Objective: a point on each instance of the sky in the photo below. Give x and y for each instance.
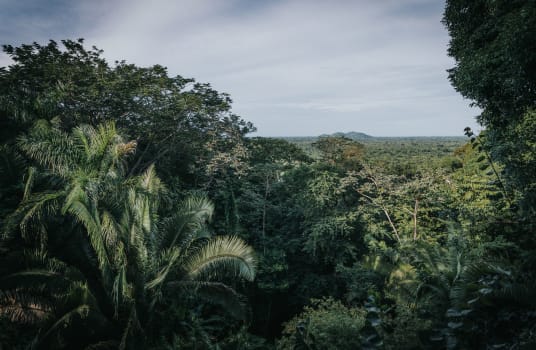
(292, 67)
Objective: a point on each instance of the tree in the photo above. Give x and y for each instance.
(186, 127)
(495, 52)
(341, 151)
(494, 48)
(104, 225)
(326, 324)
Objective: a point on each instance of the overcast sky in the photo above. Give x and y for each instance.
(291, 67)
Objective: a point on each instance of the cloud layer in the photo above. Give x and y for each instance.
(291, 67)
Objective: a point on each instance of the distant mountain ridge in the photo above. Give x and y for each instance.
(352, 135)
(365, 138)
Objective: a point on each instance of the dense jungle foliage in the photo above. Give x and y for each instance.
(135, 212)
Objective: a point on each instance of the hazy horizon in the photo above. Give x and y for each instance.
(351, 131)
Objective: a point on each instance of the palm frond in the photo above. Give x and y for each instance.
(76, 193)
(130, 328)
(216, 293)
(523, 294)
(111, 231)
(121, 290)
(146, 199)
(30, 177)
(24, 307)
(79, 293)
(199, 207)
(33, 278)
(102, 137)
(80, 311)
(49, 147)
(103, 345)
(150, 182)
(84, 212)
(223, 253)
(34, 211)
(82, 135)
(94, 141)
(164, 264)
(184, 227)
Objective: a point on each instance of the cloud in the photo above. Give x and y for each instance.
(346, 64)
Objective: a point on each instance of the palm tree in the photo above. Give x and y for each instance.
(104, 225)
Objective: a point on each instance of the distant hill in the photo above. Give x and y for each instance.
(368, 139)
(352, 135)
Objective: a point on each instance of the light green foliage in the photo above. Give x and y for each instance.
(325, 324)
(476, 189)
(399, 208)
(517, 151)
(410, 156)
(341, 152)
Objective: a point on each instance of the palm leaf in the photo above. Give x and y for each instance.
(216, 293)
(184, 227)
(165, 263)
(103, 345)
(50, 147)
(34, 211)
(80, 311)
(223, 253)
(25, 307)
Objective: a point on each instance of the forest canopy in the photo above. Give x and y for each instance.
(137, 213)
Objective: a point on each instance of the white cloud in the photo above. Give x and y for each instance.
(5, 60)
(297, 67)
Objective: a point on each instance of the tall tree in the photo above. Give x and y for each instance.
(187, 127)
(495, 52)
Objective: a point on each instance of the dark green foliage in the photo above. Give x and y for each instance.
(493, 44)
(186, 127)
(112, 265)
(340, 151)
(494, 48)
